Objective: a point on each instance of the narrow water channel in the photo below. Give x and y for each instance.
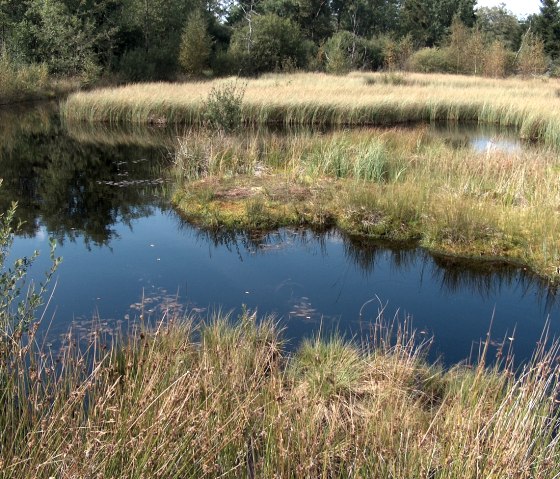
(101, 194)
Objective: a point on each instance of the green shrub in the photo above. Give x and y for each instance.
(196, 45)
(223, 63)
(141, 65)
(223, 107)
(431, 60)
(344, 52)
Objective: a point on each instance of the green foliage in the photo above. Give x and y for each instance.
(18, 303)
(223, 107)
(366, 18)
(143, 40)
(458, 42)
(62, 40)
(345, 51)
(547, 25)
(223, 63)
(432, 60)
(268, 43)
(498, 24)
(338, 52)
(138, 65)
(428, 21)
(313, 17)
(196, 45)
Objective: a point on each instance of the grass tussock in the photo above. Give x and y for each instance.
(224, 399)
(531, 106)
(391, 184)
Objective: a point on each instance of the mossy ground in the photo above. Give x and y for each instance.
(397, 185)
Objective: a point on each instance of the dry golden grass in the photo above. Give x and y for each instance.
(531, 105)
(226, 400)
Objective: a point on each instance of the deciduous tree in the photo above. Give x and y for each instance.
(196, 45)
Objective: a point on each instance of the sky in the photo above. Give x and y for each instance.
(518, 7)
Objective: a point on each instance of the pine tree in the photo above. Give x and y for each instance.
(547, 26)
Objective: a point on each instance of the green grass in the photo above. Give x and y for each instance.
(389, 184)
(225, 399)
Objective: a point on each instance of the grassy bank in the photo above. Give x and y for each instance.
(392, 184)
(30, 82)
(531, 106)
(225, 400)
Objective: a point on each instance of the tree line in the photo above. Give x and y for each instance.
(137, 40)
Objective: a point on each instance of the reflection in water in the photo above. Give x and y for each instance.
(480, 138)
(489, 278)
(105, 186)
(138, 135)
(482, 278)
(74, 189)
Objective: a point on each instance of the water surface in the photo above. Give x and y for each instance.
(101, 194)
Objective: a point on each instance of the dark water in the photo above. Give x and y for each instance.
(101, 195)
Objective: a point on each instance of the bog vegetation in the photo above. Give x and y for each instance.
(530, 106)
(395, 184)
(221, 398)
(225, 398)
(392, 184)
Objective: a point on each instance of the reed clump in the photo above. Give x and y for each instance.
(22, 82)
(393, 184)
(529, 105)
(225, 399)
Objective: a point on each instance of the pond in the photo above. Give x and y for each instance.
(102, 195)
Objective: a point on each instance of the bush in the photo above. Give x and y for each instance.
(495, 60)
(532, 58)
(140, 65)
(338, 53)
(223, 107)
(431, 60)
(223, 64)
(396, 54)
